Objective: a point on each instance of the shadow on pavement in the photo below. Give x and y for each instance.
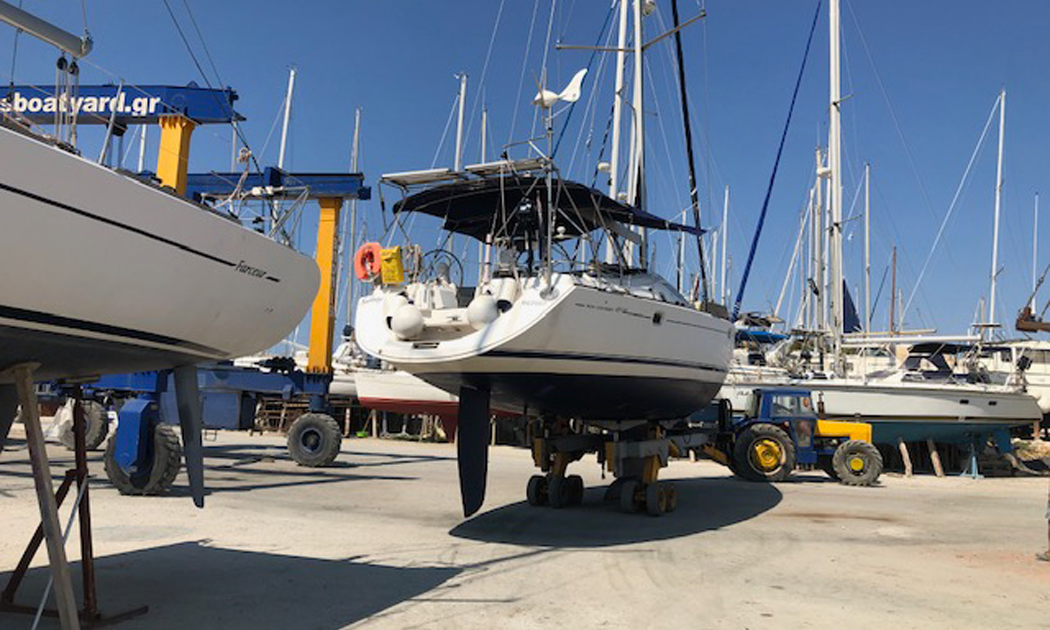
(703, 505)
(193, 585)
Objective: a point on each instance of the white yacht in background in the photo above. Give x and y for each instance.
(904, 402)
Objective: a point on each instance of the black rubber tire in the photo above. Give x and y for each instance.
(97, 421)
(751, 437)
(655, 499)
(558, 492)
(575, 484)
(536, 491)
(824, 463)
(167, 461)
(627, 492)
(672, 496)
(854, 452)
(314, 440)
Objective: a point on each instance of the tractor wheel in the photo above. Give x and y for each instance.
(96, 422)
(627, 492)
(857, 463)
(764, 452)
(164, 467)
(825, 464)
(536, 491)
(314, 440)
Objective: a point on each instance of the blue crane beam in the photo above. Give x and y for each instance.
(134, 104)
(274, 183)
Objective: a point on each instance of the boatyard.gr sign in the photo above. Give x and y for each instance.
(126, 105)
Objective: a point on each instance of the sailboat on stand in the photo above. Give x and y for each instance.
(558, 330)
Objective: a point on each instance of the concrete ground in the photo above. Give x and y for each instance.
(378, 540)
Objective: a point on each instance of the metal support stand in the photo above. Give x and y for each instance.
(49, 528)
(972, 469)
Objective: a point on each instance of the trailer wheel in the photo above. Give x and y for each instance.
(764, 452)
(857, 463)
(627, 493)
(314, 440)
(97, 427)
(536, 490)
(164, 465)
(559, 492)
(575, 484)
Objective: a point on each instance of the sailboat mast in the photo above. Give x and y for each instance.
(867, 248)
(637, 188)
(998, 202)
(459, 121)
(724, 232)
(694, 193)
(353, 219)
(287, 117)
(893, 288)
(621, 59)
(1035, 252)
(835, 181)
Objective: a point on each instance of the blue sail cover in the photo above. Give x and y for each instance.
(850, 319)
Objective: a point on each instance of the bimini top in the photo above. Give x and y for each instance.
(508, 204)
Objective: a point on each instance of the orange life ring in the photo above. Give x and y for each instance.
(368, 261)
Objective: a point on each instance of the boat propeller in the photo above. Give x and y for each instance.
(472, 447)
(187, 395)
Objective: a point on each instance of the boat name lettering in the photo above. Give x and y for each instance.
(596, 307)
(255, 272)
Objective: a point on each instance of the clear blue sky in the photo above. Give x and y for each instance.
(939, 64)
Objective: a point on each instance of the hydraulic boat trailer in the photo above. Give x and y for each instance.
(634, 455)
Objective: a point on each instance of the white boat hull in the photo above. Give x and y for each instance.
(398, 391)
(106, 274)
(906, 410)
(578, 351)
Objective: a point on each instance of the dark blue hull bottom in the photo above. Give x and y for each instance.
(587, 397)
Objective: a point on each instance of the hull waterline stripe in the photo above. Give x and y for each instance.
(36, 317)
(118, 224)
(533, 354)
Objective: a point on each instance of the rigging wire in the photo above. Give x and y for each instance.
(524, 66)
(776, 165)
(484, 71)
(951, 207)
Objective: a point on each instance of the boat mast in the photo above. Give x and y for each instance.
(1035, 252)
(636, 187)
(353, 220)
(867, 248)
(459, 122)
(614, 158)
(835, 182)
(724, 231)
(893, 289)
(694, 193)
(998, 201)
(287, 116)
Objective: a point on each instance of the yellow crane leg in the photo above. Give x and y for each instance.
(322, 317)
(173, 158)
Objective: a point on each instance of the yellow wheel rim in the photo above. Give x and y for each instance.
(767, 454)
(856, 464)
